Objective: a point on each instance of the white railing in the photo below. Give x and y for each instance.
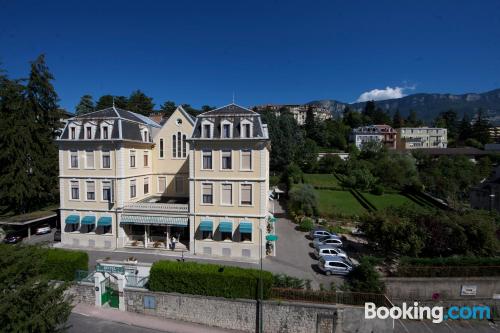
(152, 206)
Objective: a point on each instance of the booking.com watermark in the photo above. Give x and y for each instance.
(418, 312)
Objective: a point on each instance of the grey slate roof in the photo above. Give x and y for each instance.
(130, 123)
(236, 114)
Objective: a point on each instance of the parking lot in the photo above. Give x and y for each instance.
(294, 256)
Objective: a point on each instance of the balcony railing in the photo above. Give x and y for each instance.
(154, 206)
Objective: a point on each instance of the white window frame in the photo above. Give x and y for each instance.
(77, 159)
(86, 190)
(110, 160)
(241, 159)
(213, 194)
(71, 190)
(175, 184)
(146, 154)
(71, 129)
(158, 184)
(253, 196)
(86, 160)
(149, 185)
(161, 149)
(102, 132)
(243, 122)
(221, 203)
(110, 190)
(220, 164)
(212, 156)
(211, 124)
(130, 188)
(145, 135)
(131, 153)
(226, 122)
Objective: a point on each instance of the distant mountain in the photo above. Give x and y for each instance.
(428, 106)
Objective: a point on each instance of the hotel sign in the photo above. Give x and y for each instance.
(110, 269)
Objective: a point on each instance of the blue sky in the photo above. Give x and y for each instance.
(265, 51)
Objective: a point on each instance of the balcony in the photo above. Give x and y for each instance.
(157, 204)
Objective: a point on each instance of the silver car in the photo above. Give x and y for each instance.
(328, 250)
(334, 265)
(327, 240)
(318, 233)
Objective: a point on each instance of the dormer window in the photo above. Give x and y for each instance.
(206, 131)
(246, 130)
(73, 133)
(105, 134)
(88, 132)
(226, 130)
(146, 136)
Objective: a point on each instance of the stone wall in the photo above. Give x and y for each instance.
(242, 315)
(83, 293)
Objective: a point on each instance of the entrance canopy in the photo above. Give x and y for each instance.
(154, 220)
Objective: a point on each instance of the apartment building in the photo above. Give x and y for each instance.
(421, 137)
(127, 181)
(384, 134)
(298, 111)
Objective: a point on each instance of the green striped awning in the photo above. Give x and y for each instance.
(88, 220)
(104, 221)
(226, 226)
(73, 219)
(206, 225)
(245, 227)
(154, 220)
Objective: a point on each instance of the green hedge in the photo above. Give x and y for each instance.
(458, 266)
(62, 264)
(208, 280)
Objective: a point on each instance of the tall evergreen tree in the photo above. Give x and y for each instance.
(105, 101)
(310, 125)
(481, 128)
(464, 129)
(168, 107)
(121, 102)
(397, 120)
(86, 105)
(449, 121)
(205, 108)
(412, 119)
(140, 103)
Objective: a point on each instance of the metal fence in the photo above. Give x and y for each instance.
(84, 276)
(447, 271)
(328, 297)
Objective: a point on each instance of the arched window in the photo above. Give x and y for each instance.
(179, 144)
(161, 148)
(184, 145)
(174, 146)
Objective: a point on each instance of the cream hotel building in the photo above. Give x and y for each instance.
(127, 181)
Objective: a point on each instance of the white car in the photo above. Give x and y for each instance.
(43, 229)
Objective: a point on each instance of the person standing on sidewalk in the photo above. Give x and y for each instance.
(174, 240)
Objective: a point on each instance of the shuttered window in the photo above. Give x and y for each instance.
(246, 194)
(207, 191)
(246, 160)
(227, 194)
(161, 184)
(89, 159)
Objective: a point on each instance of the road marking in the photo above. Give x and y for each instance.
(403, 325)
(451, 328)
(426, 326)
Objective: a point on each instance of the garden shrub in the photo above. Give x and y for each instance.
(62, 264)
(365, 278)
(285, 281)
(208, 280)
(306, 225)
(378, 190)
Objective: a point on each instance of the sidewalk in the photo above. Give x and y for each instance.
(150, 322)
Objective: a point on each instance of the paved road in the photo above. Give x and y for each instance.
(84, 324)
(464, 326)
(36, 239)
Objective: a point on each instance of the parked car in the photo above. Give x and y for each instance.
(334, 265)
(43, 229)
(327, 240)
(328, 250)
(12, 239)
(320, 232)
(57, 236)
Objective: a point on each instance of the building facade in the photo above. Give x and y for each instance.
(422, 137)
(298, 111)
(126, 181)
(383, 134)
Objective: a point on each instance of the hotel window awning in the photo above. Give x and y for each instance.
(73, 219)
(226, 226)
(104, 221)
(154, 220)
(245, 227)
(87, 220)
(206, 225)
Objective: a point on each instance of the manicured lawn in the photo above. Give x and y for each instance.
(386, 200)
(331, 202)
(320, 179)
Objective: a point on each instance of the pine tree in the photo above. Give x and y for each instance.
(481, 128)
(310, 124)
(42, 103)
(140, 103)
(86, 105)
(397, 120)
(464, 129)
(105, 101)
(168, 107)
